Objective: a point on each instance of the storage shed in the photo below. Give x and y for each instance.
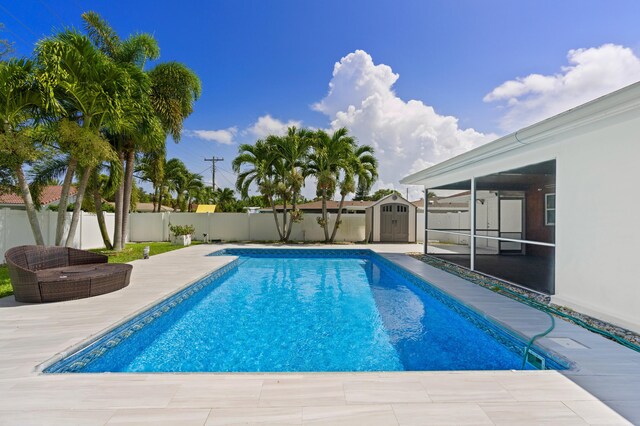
(391, 219)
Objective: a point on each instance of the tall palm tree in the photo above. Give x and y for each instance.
(336, 161)
(193, 185)
(175, 180)
(86, 89)
(158, 112)
(19, 101)
(141, 126)
(291, 152)
(151, 168)
(360, 170)
(328, 155)
(254, 165)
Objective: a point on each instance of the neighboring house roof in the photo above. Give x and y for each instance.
(206, 208)
(148, 208)
(331, 205)
(50, 194)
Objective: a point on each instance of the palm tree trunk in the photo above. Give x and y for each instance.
(325, 220)
(337, 224)
(117, 233)
(29, 206)
(97, 200)
(155, 197)
(128, 188)
(77, 209)
(283, 234)
(64, 200)
(160, 190)
(275, 216)
(294, 204)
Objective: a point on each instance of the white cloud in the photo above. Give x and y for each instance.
(223, 136)
(267, 125)
(407, 135)
(591, 73)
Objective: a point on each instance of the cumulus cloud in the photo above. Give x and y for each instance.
(591, 73)
(223, 136)
(267, 125)
(407, 135)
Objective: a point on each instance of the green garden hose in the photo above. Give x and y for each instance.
(533, 339)
(535, 304)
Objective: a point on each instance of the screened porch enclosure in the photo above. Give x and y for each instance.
(504, 225)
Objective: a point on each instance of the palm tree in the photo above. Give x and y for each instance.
(337, 161)
(156, 112)
(86, 89)
(291, 152)
(19, 101)
(225, 198)
(193, 184)
(151, 168)
(277, 166)
(360, 170)
(256, 165)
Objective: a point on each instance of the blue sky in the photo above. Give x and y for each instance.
(276, 58)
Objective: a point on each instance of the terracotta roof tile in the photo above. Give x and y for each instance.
(49, 195)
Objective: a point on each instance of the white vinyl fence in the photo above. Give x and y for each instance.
(240, 226)
(15, 229)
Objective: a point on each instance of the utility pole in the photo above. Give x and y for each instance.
(213, 160)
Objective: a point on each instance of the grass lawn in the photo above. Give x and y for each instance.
(5, 282)
(131, 252)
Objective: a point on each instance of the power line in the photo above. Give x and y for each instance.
(52, 11)
(18, 21)
(20, 39)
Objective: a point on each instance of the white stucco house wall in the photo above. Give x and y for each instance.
(574, 161)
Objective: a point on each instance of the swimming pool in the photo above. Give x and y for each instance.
(288, 310)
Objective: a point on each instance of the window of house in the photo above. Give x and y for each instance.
(550, 209)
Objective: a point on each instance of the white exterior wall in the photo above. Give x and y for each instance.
(596, 243)
(15, 229)
(241, 226)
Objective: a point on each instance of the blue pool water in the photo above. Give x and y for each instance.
(304, 311)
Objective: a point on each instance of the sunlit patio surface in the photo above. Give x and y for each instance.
(603, 386)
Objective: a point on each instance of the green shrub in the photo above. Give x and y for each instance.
(178, 230)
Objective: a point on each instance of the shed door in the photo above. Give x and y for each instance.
(394, 223)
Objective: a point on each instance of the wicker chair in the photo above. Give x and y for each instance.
(51, 274)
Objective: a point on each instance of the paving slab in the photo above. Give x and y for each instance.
(603, 387)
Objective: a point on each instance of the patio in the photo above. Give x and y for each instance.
(603, 386)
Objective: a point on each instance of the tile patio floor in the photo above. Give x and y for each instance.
(32, 334)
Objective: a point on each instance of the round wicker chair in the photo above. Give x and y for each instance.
(52, 274)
